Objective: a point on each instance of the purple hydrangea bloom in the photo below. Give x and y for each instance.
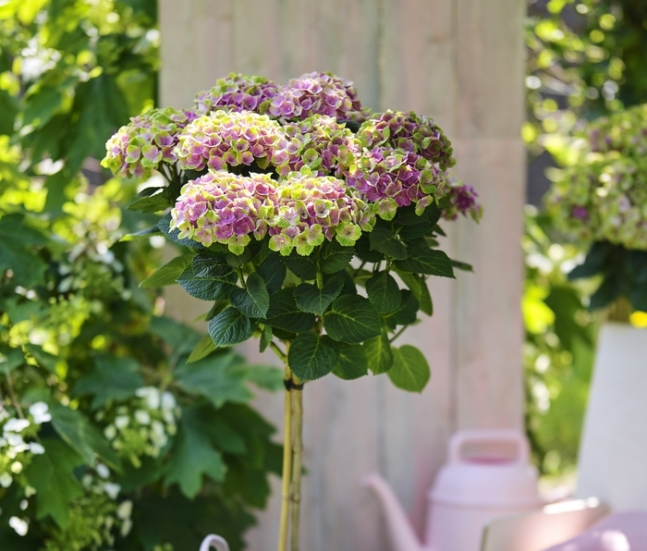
(149, 140)
(410, 132)
(224, 139)
(237, 92)
(462, 199)
(311, 209)
(580, 212)
(317, 94)
(392, 178)
(220, 207)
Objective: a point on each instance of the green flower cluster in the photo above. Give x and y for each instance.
(601, 195)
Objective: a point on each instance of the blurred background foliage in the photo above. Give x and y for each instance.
(110, 438)
(585, 60)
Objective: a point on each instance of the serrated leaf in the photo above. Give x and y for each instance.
(311, 299)
(364, 252)
(312, 356)
(379, 354)
(406, 312)
(284, 314)
(352, 362)
(303, 266)
(75, 429)
(273, 271)
(51, 474)
(208, 278)
(335, 257)
(152, 201)
(112, 378)
(253, 301)
(205, 347)
(193, 456)
(383, 292)
(169, 273)
(164, 226)
(216, 377)
(410, 369)
(383, 241)
(418, 287)
(230, 327)
(352, 319)
(422, 260)
(266, 338)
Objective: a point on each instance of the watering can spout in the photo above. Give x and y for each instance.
(401, 533)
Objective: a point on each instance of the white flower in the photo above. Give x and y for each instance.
(16, 425)
(142, 417)
(3, 414)
(125, 527)
(19, 525)
(5, 480)
(39, 411)
(111, 489)
(122, 421)
(16, 467)
(36, 448)
(29, 491)
(168, 401)
(102, 470)
(125, 510)
(14, 440)
(151, 395)
(110, 432)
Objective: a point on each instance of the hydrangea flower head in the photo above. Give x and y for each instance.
(225, 139)
(410, 132)
(461, 199)
(314, 208)
(392, 178)
(317, 94)
(602, 196)
(149, 140)
(324, 145)
(220, 207)
(237, 92)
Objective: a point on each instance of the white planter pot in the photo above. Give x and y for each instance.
(214, 542)
(613, 451)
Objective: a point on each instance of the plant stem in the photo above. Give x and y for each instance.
(397, 334)
(297, 447)
(12, 395)
(287, 462)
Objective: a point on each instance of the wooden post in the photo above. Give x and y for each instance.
(461, 62)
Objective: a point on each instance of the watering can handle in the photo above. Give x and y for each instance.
(214, 541)
(461, 438)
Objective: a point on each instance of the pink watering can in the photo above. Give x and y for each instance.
(487, 476)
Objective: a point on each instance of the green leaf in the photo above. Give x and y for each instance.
(8, 112)
(151, 200)
(303, 266)
(418, 287)
(208, 278)
(263, 376)
(383, 292)
(383, 241)
(253, 301)
(410, 369)
(312, 356)
(406, 312)
(164, 226)
(284, 313)
(169, 273)
(180, 337)
(407, 216)
(311, 299)
(462, 266)
(41, 106)
(51, 474)
(352, 362)
(379, 354)
(75, 429)
(230, 327)
(422, 260)
(335, 257)
(273, 271)
(352, 319)
(410, 233)
(112, 378)
(248, 254)
(217, 377)
(193, 456)
(10, 359)
(205, 347)
(266, 338)
(364, 252)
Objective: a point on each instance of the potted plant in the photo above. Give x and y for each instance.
(311, 224)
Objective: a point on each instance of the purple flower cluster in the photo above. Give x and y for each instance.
(237, 92)
(311, 209)
(462, 199)
(392, 178)
(317, 94)
(410, 132)
(324, 145)
(225, 139)
(220, 207)
(150, 139)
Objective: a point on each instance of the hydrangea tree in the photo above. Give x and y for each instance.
(600, 197)
(312, 224)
